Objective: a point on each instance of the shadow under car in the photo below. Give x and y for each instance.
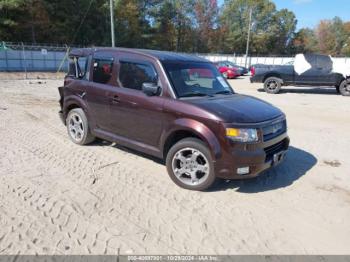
(296, 164)
(307, 90)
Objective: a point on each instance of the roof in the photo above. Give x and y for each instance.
(159, 55)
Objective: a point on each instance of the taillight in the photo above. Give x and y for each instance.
(67, 80)
(252, 70)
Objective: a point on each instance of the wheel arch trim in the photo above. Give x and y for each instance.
(273, 74)
(198, 129)
(73, 100)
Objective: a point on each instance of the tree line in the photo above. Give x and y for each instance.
(198, 26)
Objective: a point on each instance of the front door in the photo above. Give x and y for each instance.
(134, 115)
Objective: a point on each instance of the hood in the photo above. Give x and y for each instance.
(238, 108)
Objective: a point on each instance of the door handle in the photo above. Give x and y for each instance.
(81, 95)
(115, 99)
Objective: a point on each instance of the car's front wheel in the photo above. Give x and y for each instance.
(190, 164)
(337, 89)
(272, 85)
(344, 88)
(78, 127)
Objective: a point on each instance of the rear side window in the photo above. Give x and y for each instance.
(77, 67)
(132, 75)
(71, 69)
(324, 62)
(103, 68)
(311, 59)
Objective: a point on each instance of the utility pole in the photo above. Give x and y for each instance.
(248, 38)
(112, 21)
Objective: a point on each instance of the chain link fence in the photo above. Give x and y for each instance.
(29, 58)
(15, 57)
(253, 60)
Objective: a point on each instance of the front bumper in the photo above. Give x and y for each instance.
(258, 157)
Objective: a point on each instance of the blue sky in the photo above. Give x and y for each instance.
(310, 12)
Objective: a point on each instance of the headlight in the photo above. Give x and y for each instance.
(229, 71)
(242, 134)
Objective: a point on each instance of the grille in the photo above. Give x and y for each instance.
(274, 130)
(271, 150)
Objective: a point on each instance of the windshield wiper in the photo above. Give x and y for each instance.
(224, 92)
(195, 94)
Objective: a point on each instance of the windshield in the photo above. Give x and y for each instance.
(230, 64)
(196, 79)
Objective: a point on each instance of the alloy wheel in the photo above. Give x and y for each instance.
(190, 166)
(76, 127)
(346, 88)
(272, 85)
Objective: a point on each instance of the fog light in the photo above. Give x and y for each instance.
(243, 170)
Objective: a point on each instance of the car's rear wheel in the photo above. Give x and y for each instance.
(272, 85)
(190, 164)
(78, 127)
(344, 88)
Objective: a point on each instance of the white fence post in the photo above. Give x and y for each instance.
(25, 60)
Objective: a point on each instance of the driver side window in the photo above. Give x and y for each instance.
(132, 75)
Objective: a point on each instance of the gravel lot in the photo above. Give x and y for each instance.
(60, 198)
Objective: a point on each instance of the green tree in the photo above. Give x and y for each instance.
(164, 28)
(206, 23)
(272, 30)
(346, 47)
(305, 41)
(22, 20)
(340, 36)
(8, 21)
(283, 30)
(179, 25)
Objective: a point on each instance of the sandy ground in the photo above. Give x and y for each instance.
(60, 198)
(40, 76)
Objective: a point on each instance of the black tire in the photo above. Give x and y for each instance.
(344, 88)
(77, 118)
(205, 180)
(337, 89)
(272, 85)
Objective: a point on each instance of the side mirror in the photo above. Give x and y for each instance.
(151, 89)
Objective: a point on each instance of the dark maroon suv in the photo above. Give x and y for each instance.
(157, 103)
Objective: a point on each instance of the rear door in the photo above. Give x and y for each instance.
(325, 66)
(99, 89)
